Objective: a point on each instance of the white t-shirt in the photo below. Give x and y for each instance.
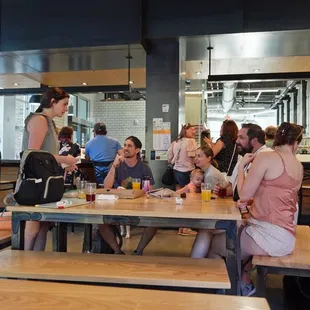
(234, 176)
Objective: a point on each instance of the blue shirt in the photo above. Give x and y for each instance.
(103, 149)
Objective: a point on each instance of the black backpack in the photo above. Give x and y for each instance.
(99, 245)
(39, 180)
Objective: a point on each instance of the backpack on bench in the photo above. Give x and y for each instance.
(39, 180)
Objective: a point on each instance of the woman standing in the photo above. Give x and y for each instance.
(224, 149)
(40, 134)
(182, 153)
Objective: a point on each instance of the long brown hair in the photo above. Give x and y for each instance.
(183, 131)
(209, 153)
(52, 93)
(230, 128)
(288, 133)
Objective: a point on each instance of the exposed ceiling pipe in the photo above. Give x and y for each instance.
(228, 97)
(289, 87)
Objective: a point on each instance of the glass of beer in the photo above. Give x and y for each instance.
(90, 191)
(136, 183)
(80, 186)
(206, 192)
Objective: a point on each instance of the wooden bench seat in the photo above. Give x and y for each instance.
(298, 263)
(19, 294)
(115, 269)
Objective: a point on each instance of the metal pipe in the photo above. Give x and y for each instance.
(283, 94)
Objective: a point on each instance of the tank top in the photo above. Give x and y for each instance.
(275, 201)
(50, 143)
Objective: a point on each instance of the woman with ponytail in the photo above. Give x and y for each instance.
(40, 134)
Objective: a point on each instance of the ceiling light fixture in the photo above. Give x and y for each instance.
(256, 70)
(84, 83)
(261, 90)
(15, 84)
(252, 108)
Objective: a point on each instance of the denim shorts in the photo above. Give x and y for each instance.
(181, 178)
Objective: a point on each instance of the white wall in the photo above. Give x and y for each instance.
(122, 118)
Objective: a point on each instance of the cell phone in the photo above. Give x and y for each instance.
(244, 210)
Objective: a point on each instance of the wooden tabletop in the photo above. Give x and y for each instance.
(299, 259)
(17, 294)
(192, 207)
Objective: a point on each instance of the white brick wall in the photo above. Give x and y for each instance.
(122, 118)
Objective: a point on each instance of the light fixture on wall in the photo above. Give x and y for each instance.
(84, 83)
(129, 57)
(35, 99)
(15, 84)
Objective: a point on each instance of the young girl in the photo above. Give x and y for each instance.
(193, 187)
(195, 184)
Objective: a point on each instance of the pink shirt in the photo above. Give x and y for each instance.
(183, 152)
(275, 201)
(189, 188)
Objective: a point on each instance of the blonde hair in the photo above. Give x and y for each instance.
(196, 171)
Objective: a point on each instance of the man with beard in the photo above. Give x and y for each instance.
(251, 139)
(122, 171)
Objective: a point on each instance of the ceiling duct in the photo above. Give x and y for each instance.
(290, 86)
(228, 97)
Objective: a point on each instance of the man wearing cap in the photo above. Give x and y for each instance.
(102, 150)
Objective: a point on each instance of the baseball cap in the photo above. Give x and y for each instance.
(100, 127)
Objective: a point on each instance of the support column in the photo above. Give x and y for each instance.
(164, 86)
(7, 126)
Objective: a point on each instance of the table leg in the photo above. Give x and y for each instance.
(231, 257)
(60, 237)
(18, 232)
(87, 244)
(261, 281)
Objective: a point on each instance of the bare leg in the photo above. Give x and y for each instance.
(31, 232)
(202, 244)
(147, 236)
(218, 246)
(108, 235)
(127, 231)
(40, 241)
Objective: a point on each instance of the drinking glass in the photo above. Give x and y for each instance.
(80, 186)
(90, 191)
(136, 183)
(206, 192)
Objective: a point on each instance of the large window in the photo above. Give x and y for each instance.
(78, 107)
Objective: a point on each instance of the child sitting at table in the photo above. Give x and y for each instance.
(193, 187)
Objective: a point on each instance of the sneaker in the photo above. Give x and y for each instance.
(247, 289)
(135, 252)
